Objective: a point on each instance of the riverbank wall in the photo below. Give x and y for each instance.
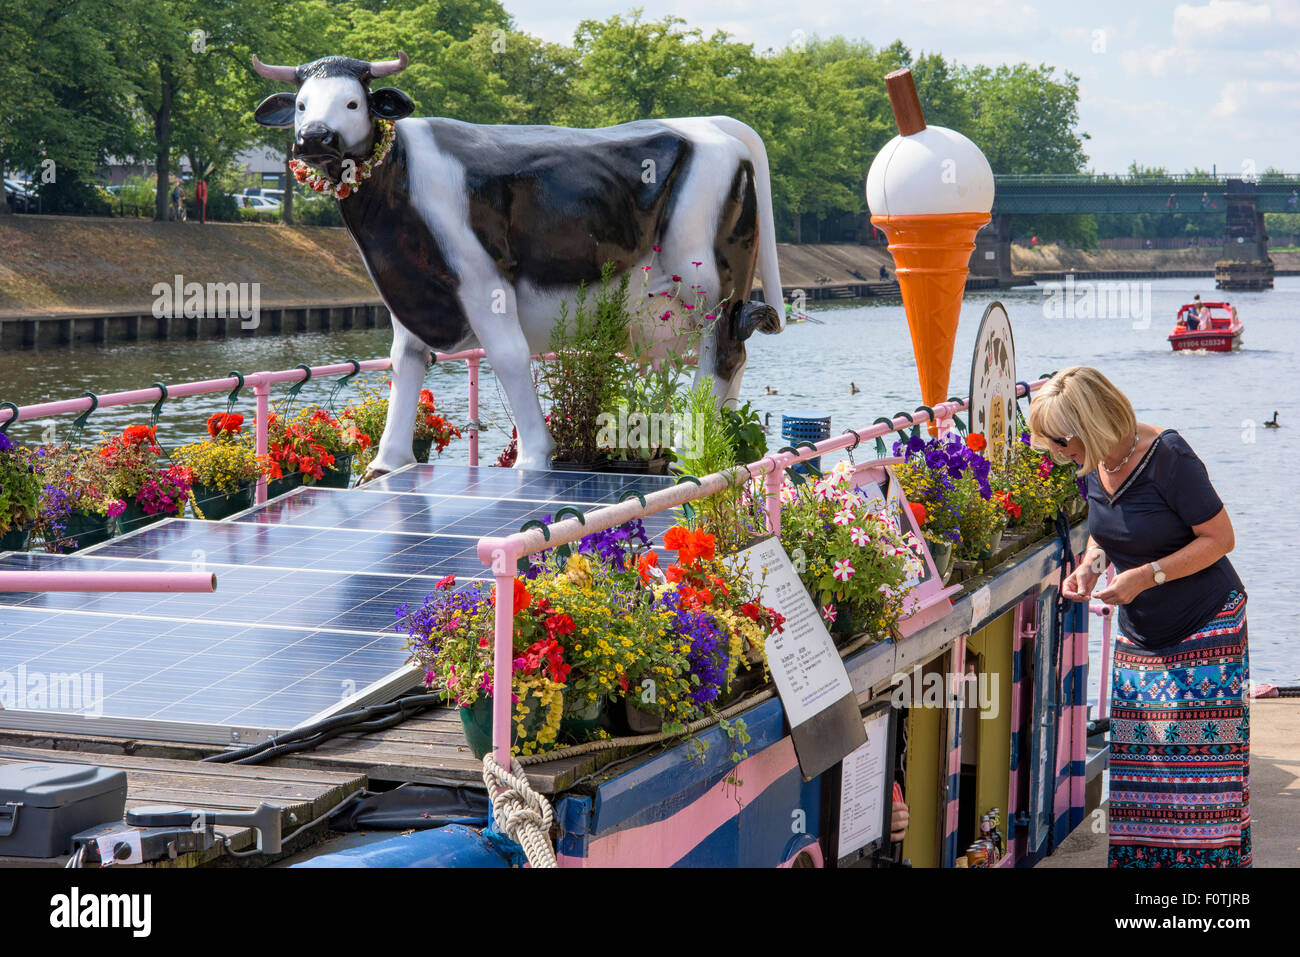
(67, 279)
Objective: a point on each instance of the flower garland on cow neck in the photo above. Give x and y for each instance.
(340, 190)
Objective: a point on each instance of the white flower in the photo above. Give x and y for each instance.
(859, 537)
(843, 517)
(843, 570)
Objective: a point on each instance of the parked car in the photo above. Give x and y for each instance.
(244, 201)
(21, 196)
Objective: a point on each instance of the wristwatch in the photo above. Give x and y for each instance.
(1159, 573)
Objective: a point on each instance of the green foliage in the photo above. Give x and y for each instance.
(745, 432)
(586, 377)
(138, 87)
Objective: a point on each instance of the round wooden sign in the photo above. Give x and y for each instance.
(993, 384)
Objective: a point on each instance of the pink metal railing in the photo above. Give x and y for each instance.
(503, 554)
(261, 383)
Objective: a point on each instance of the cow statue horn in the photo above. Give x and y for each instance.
(389, 67)
(282, 74)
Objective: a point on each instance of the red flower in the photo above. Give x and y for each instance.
(975, 442)
(751, 611)
(220, 422)
(448, 582)
(675, 538)
(778, 620)
(344, 191)
(643, 564)
(918, 510)
(135, 434)
(675, 573)
(522, 598)
(426, 398)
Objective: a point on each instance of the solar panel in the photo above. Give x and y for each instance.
(302, 622)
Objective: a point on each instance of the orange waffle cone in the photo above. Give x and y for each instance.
(932, 258)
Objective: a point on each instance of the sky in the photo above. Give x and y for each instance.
(1178, 85)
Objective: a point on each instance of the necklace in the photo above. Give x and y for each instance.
(1124, 459)
(342, 190)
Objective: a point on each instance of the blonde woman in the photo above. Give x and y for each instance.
(1180, 724)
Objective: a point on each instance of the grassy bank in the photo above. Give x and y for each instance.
(75, 263)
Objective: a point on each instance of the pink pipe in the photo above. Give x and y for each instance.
(1103, 706)
(503, 664)
(262, 390)
(108, 581)
(772, 486)
(471, 370)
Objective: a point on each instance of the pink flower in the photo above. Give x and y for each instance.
(843, 570)
(694, 263)
(656, 249)
(667, 315)
(645, 268)
(843, 517)
(858, 536)
(829, 613)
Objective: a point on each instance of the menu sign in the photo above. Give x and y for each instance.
(809, 675)
(993, 384)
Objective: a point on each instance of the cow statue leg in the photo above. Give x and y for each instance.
(503, 340)
(410, 361)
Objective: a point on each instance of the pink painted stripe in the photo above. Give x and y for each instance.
(664, 843)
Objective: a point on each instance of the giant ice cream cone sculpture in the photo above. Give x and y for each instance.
(930, 190)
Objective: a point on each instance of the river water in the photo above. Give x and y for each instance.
(1217, 402)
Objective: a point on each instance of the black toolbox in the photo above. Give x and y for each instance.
(43, 805)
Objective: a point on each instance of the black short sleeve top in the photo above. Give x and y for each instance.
(1150, 517)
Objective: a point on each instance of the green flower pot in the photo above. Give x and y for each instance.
(339, 475)
(215, 505)
(134, 517)
(83, 529)
(421, 448)
(941, 552)
(476, 720)
(15, 540)
(583, 719)
(281, 486)
(991, 545)
(639, 720)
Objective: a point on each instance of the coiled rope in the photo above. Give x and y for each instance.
(520, 813)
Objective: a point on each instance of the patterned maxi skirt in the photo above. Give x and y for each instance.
(1180, 749)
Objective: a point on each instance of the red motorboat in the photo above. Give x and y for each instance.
(1222, 333)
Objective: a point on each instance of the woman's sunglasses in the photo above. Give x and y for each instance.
(1061, 442)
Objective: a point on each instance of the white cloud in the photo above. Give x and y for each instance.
(1222, 23)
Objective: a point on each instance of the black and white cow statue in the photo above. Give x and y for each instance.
(474, 235)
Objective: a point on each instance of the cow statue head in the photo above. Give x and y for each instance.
(333, 111)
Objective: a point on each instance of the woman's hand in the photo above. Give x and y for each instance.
(1126, 586)
(1080, 582)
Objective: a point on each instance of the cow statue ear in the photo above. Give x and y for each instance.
(276, 110)
(389, 103)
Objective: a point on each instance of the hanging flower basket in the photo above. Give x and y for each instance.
(83, 529)
(135, 517)
(639, 720)
(338, 475)
(655, 466)
(215, 505)
(281, 486)
(421, 448)
(16, 539)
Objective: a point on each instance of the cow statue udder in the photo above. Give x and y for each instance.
(474, 234)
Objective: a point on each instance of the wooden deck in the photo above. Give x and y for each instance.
(302, 794)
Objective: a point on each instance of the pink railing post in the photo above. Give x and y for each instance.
(772, 482)
(79, 581)
(471, 368)
(1103, 706)
(262, 389)
(503, 668)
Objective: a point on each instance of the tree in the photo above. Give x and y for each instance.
(1024, 118)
